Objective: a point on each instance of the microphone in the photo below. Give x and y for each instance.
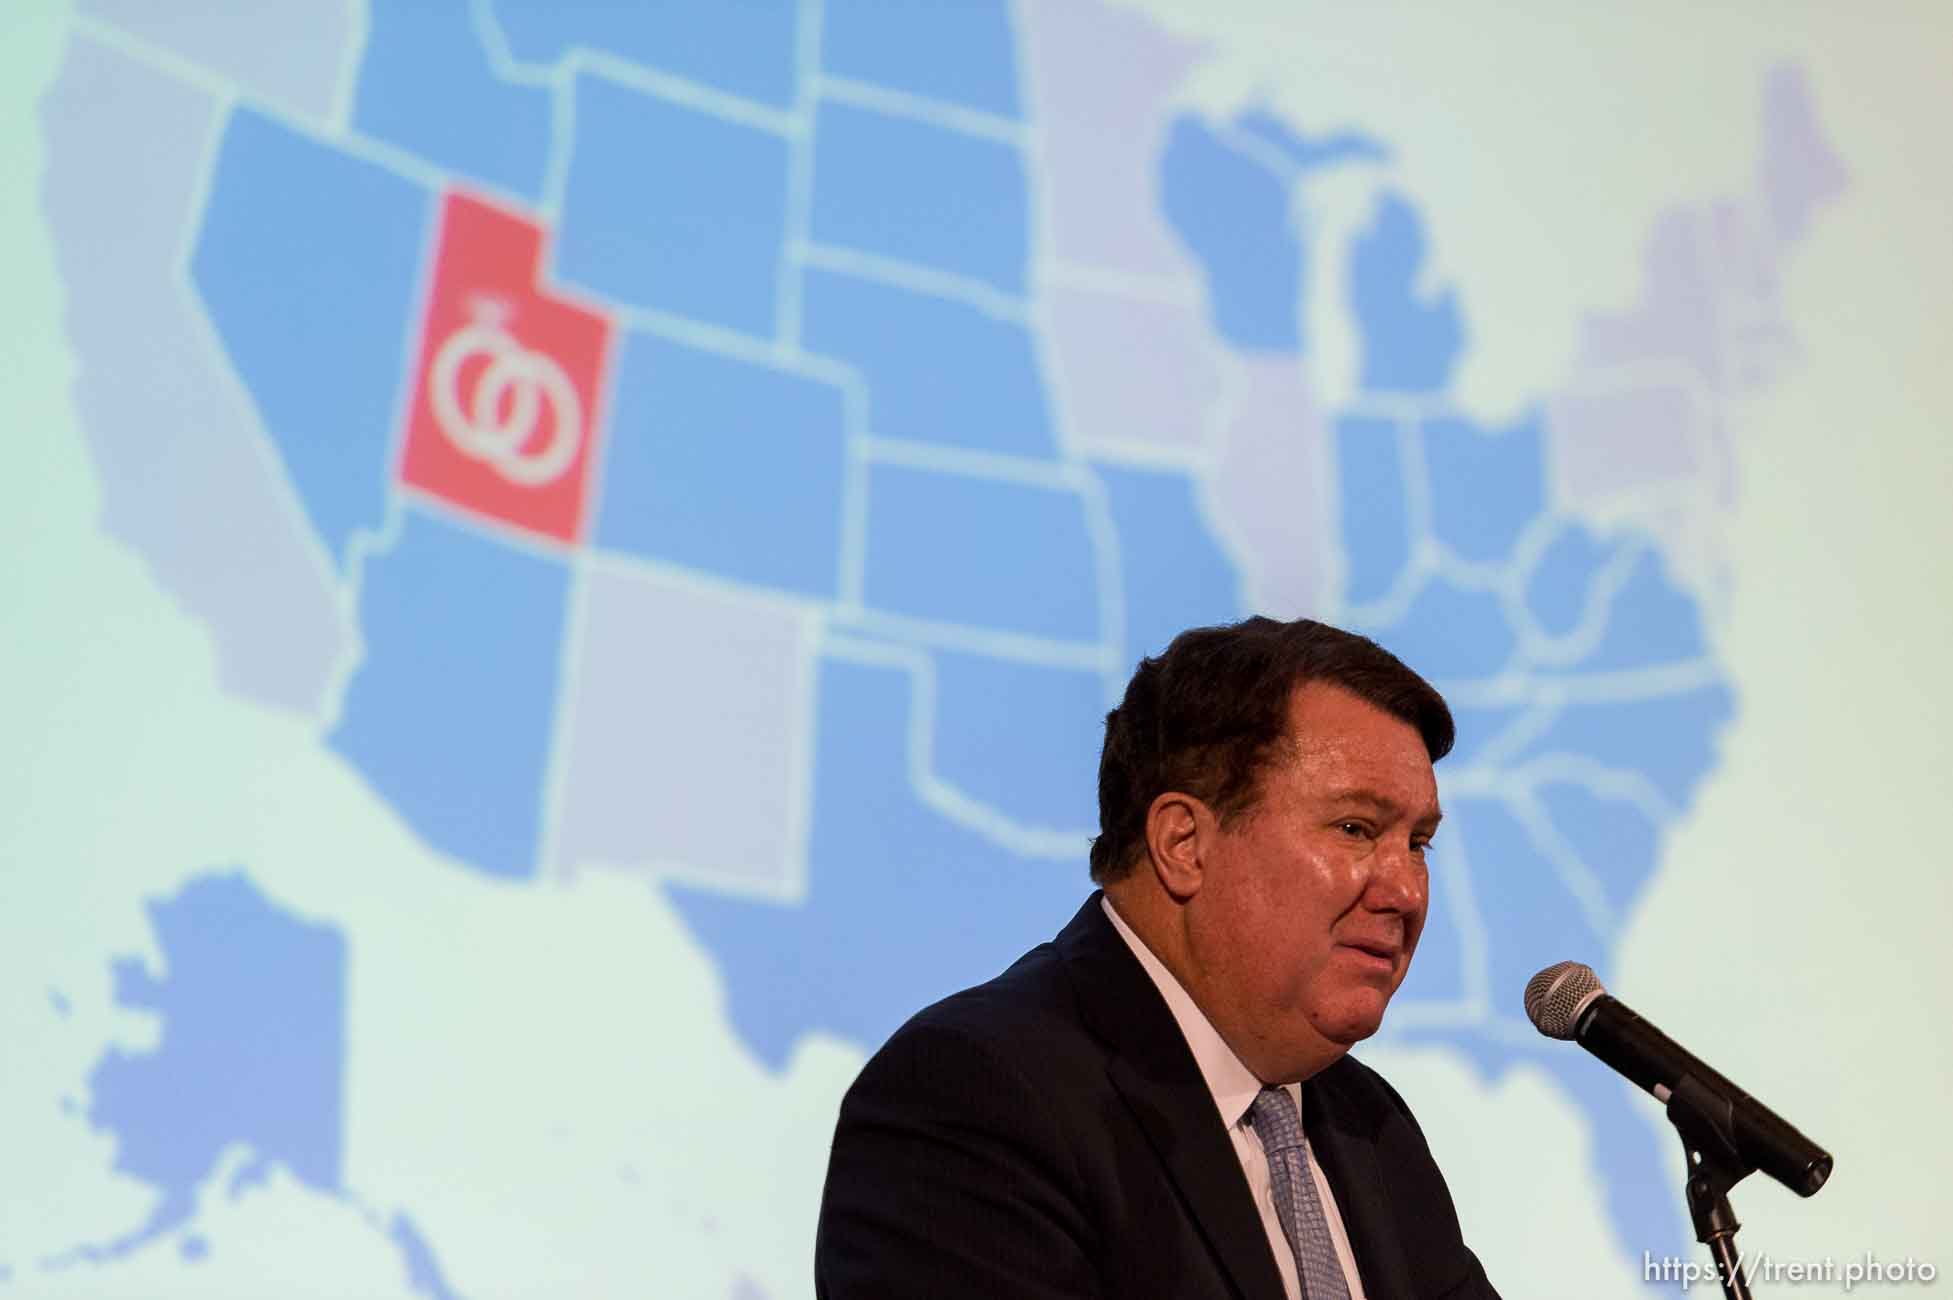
(1566, 1000)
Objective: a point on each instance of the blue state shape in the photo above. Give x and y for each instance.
(425, 85)
(1650, 621)
(1311, 153)
(1640, 1175)
(1409, 344)
(1671, 739)
(1478, 725)
(1614, 839)
(672, 209)
(252, 1049)
(1487, 485)
(979, 552)
(1021, 738)
(1535, 917)
(1233, 215)
(1533, 921)
(963, 53)
(937, 370)
(449, 718)
(1557, 589)
(1450, 634)
(902, 906)
(1374, 504)
(746, 47)
(905, 190)
(1174, 574)
(308, 262)
(725, 466)
(255, 1172)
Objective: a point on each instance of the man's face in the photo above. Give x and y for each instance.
(1312, 902)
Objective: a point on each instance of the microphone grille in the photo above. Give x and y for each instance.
(1557, 995)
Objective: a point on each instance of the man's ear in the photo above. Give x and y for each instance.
(1175, 826)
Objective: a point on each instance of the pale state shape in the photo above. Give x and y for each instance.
(1505, 125)
(542, 1078)
(130, 149)
(1810, 886)
(685, 756)
(300, 55)
(72, 885)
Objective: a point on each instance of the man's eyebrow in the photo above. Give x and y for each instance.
(1375, 799)
(1363, 795)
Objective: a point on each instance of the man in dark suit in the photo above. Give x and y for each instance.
(1116, 1114)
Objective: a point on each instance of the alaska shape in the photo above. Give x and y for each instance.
(252, 1049)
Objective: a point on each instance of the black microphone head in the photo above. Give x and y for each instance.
(1557, 995)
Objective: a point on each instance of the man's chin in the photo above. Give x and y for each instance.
(1352, 1024)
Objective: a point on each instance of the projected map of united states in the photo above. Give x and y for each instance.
(751, 455)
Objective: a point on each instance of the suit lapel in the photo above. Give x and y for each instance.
(1154, 1072)
(1347, 1152)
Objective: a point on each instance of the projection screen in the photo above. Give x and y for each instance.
(566, 563)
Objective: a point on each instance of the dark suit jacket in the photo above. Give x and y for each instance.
(1048, 1134)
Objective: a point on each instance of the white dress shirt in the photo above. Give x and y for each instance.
(1234, 1088)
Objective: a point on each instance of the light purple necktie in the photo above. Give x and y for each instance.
(1278, 1123)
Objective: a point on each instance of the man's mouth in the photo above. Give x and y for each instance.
(1382, 950)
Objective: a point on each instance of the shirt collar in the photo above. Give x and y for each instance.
(1233, 1085)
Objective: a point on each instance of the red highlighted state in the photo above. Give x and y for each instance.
(504, 420)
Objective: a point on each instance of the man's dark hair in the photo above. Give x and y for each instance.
(1206, 715)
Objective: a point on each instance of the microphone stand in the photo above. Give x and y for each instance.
(1706, 1125)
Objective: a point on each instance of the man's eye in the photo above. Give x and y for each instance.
(1353, 828)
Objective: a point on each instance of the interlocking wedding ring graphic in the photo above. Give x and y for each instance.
(528, 380)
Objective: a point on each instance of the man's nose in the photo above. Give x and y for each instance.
(1399, 882)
